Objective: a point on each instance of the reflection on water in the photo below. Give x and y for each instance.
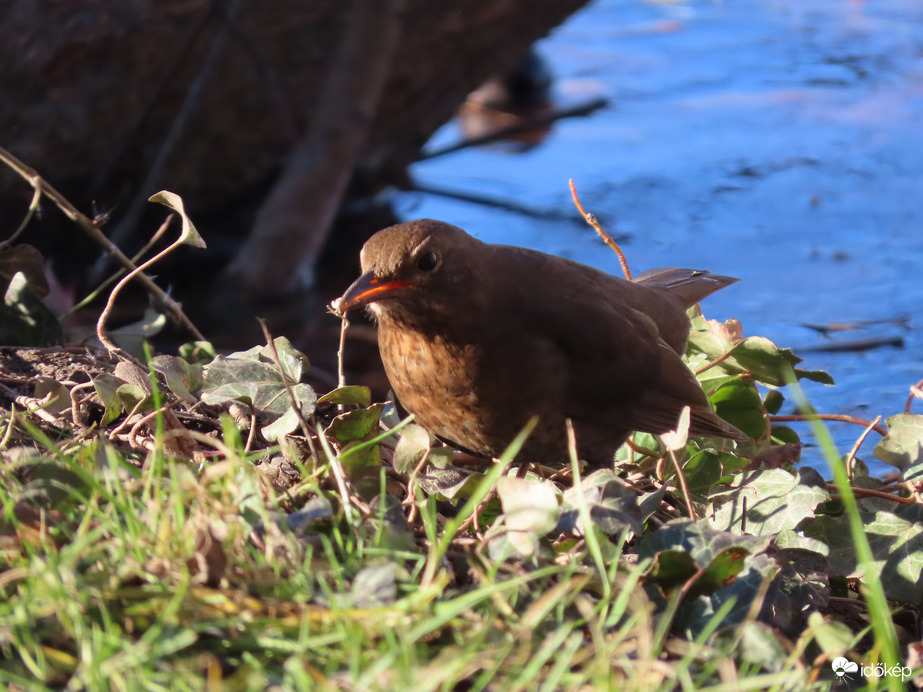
(781, 142)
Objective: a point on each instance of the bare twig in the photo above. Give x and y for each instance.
(828, 416)
(868, 492)
(411, 497)
(175, 312)
(8, 433)
(856, 346)
(607, 239)
(916, 392)
(708, 366)
(251, 433)
(339, 476)
(124, 424)
(341, 374)
(473, 519)
(643, 451)
(827, 329)
(293, 400)
(75, 402)
(147, 418)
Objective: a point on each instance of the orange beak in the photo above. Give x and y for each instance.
(367, 289)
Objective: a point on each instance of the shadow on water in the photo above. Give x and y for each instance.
(778, 142)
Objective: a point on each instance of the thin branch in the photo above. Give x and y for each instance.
(828, 416)
(491, 202)
(868, 492)
(32, 177)
(607, 239)
(856, 346)
(293, 400)
(411, 497)
(341, 373)
(708, 366)
(916, 392)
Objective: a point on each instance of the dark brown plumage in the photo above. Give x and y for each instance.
(477, 338)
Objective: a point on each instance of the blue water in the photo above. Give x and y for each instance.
(780, 142)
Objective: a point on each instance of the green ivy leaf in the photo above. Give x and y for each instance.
(756, 355)
(181, 377)
(350, 395)
(703, 470)
(107, 387)
(24, 318)
(355, 425)
(613, 506)
(896, 540)
(903, 445)
(774, 500)
(412, 446)
(738, 402)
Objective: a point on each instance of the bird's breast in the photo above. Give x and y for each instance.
(435, 379)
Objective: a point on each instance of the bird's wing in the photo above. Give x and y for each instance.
(603, 355)
(613, 366)
(658, 408)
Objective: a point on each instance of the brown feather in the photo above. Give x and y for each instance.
(492, 335)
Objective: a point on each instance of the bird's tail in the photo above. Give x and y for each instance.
(688, 285)
(708, 423)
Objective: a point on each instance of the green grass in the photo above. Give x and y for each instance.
(152, 573)
(118, 589)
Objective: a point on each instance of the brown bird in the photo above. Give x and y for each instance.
(476, 339)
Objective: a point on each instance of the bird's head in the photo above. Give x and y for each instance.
(413, 268)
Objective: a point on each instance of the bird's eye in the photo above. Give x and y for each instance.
(427, 261)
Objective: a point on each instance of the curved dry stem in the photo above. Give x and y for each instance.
(684, 488)
(527, 124)
(110, 303)
(855, 448)
(120, 272)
